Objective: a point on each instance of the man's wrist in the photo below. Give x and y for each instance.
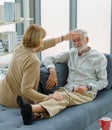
(89, 87)
(51, 70)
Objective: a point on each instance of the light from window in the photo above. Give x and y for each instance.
(95, 16)
(55, 19)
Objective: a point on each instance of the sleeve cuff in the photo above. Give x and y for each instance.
(50, 66)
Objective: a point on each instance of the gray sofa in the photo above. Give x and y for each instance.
(81, 117)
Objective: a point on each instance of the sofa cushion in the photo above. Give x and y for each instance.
(62, 74)
(109, 70)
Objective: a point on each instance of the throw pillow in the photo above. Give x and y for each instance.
(62, 74)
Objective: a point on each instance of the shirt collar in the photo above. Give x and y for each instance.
(84, 51)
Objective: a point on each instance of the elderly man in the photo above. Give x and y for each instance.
(87, 75)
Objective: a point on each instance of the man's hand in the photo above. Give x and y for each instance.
(56, 95)
(81, 89)
(52, 79)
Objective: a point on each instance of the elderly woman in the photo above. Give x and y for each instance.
(24, 71)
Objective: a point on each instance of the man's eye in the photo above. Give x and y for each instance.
(78, 40)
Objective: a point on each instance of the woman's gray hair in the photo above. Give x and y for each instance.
(83, 32)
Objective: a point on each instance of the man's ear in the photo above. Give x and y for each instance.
(87, 39)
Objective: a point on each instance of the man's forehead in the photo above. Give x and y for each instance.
(76, 35)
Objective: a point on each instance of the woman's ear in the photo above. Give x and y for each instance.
(39, 47)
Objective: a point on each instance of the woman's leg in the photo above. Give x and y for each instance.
(26, 111)
(36, 108)
(32, 112)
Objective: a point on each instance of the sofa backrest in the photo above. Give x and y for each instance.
(109, 70)
(62, 73)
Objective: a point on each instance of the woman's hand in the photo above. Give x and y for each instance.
(56, 95)
(68, 36)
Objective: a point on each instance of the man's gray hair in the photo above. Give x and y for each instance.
(83, 32)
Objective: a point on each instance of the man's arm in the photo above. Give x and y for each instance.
(101, 74)
(50, 62)
(52, 79)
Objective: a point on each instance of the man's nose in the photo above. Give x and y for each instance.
(76, 42)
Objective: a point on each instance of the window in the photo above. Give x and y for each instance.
(55, 19)
(95, 17)
(10, 27)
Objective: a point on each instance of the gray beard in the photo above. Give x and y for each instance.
(79, 49)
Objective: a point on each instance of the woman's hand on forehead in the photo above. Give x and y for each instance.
(76, 35)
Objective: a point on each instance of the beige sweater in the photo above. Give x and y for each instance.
(23, 76)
